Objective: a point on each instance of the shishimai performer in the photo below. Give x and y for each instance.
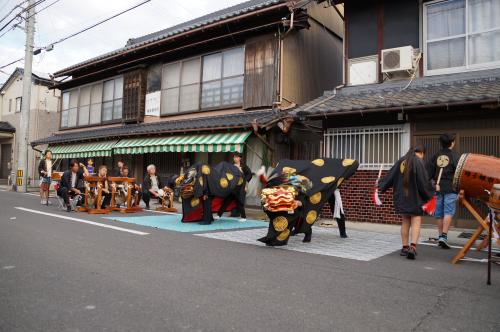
(206, 190)
(295, 193)
(412, 189)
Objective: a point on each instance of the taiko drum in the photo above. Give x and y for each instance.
(475, 174)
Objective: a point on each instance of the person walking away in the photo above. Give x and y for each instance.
(441, 169)
(72, 183)
(45, 172)
(412, 189)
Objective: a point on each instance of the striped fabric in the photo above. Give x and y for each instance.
(85, 150)
(220, 142)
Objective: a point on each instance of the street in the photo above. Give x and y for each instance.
(71, 275)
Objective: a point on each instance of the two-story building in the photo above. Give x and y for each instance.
(413, 70)
(44, 119)
(197, 91)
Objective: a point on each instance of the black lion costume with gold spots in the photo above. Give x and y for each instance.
(313, 182)
(204, 189)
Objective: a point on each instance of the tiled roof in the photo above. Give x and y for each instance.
(239, 120)
(6, 127)
(239, 9)
(458, 88)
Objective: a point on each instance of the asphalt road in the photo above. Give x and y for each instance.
(64, 275)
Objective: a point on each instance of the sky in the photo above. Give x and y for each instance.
(68, 16)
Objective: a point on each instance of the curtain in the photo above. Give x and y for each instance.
(484, 15)
(446, 19)
(234, 62)
(212, 67)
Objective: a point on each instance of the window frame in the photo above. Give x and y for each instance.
(200, 83)
(90, 85)
(20, 105)
(358, 136)
(466, 35)
(222, 79)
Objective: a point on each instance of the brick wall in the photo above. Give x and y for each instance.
(358, 202)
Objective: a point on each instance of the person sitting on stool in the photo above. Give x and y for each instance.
(151, 185)
(106, 192)
(71, 184)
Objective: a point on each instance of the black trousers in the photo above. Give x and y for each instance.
(146, 197)
(65, 194)
(240, 207)
(106, 200)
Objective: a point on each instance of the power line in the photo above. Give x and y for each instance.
(99, 23)
(11, 63)
(41, 10)
(18, 15)
(13, 8)
(50, 45)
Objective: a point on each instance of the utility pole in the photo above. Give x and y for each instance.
(23, 138)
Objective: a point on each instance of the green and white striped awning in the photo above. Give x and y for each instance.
(221, 142)
(83, 150)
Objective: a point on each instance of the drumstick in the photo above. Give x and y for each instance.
(439, 176)
(380, 171)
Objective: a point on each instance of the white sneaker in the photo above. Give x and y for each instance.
(217, 217)
(49, 203)
(242, 220)
(42, 202)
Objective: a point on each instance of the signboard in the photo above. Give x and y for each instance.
(153, 103)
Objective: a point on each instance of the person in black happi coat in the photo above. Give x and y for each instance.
(412, 189)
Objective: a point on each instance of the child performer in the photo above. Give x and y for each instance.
(412, 189)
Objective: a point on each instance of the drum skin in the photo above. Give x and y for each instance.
(476, 173)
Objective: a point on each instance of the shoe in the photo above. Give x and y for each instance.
(49, 203)
(217, 217)
(404, 251)
(307, 237)
(412, 253)
(443, 242)
(343, 235)
(42, 202)
(205, 223)
(147, 207)
(242, 220)
(68, 208)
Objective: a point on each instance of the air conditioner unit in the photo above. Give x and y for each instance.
(397, 59)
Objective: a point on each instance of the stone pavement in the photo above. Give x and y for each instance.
(361, 245)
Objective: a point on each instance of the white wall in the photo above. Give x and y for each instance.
(44, 117)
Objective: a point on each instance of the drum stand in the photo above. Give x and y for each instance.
(130, 208)
(167, 203)
(94, 182)
(483, 226)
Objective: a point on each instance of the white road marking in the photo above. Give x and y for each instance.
(83, 221)
(454, 247)
(8, 267)
(90, 307)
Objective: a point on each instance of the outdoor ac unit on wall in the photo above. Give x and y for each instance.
(397, 59)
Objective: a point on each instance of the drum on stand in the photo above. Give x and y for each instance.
(475, 174)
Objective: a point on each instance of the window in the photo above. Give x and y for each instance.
(373, 147)
(215, 79)
(84, 109)
(153, 79)
(18, 104)
(461, 35)
(10, 105)
(181, 86)
(92, 104)
(223, 78)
